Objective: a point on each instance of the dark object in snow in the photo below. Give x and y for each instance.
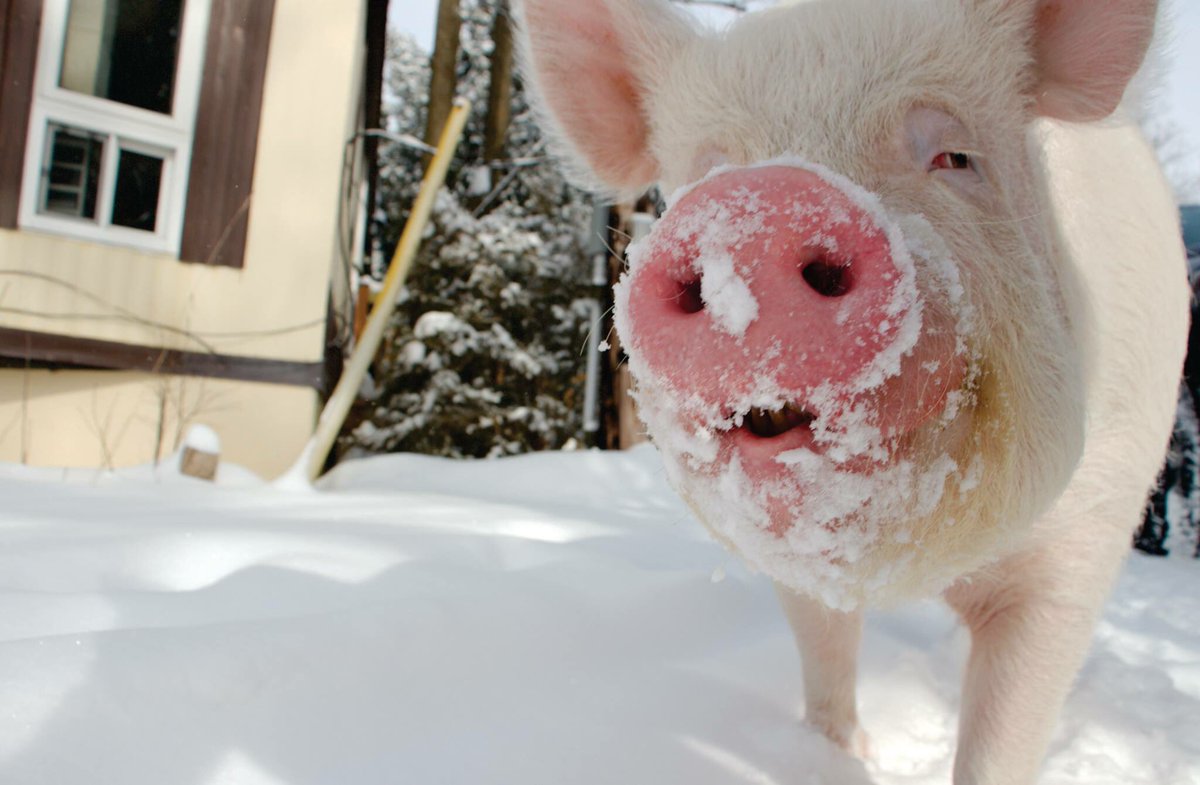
(201, 465)
(201, 454)
(1171, 513)
(1172, 522)
(1190, 216)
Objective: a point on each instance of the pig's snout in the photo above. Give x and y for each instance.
(774, 297)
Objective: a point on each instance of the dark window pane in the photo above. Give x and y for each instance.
(71, 180)
(123, 50)
(135, 202)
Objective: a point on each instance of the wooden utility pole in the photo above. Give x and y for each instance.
(500, 90)
(377, 13)
(628, 221)
(443, 80)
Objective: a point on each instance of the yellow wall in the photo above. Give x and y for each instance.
(275, 307)
(111, 419)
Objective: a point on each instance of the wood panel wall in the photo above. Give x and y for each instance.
(20, 29)
(225, 146)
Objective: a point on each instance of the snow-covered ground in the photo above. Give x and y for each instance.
(547, 620)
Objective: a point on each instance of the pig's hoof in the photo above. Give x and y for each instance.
(859, 744)
(853, 740)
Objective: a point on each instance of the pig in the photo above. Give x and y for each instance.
(912, 322)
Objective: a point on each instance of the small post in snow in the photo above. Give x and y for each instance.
(201, 453)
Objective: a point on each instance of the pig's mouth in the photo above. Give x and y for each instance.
(758, 437)
(858, 436)
(770, 424)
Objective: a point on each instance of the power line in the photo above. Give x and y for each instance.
(121, 314)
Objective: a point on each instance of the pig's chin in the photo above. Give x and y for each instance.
(818, 506)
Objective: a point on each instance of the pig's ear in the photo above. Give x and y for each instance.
(1086, 52)
(592, 65)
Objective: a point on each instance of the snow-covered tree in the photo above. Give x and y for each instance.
(484, 357)
(1172, 523)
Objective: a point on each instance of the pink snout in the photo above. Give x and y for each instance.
(773, 287)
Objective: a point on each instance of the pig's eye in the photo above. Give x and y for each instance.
(951, 161)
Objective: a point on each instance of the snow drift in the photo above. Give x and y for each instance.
(532, 621)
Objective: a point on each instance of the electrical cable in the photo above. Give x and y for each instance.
(120, 313)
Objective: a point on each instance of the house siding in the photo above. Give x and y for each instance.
(20, 28)
(225, 145)
(276, 305)
(273, 308)
(110, 419)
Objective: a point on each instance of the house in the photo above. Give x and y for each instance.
(179, 192)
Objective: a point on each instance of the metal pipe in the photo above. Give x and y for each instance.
(404, 140)
(591, 390)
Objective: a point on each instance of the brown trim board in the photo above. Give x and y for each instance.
(20, 30)
(225, 144)
(62, 350)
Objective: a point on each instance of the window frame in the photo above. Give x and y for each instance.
(168, 136)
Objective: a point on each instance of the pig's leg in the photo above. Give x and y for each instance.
(1031, 619)
(828, 641)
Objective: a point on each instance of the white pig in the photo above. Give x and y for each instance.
(913, 322)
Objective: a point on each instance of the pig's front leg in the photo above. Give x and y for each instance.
(828, 641)
(1031, 619)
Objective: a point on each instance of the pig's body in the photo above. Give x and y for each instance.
(1033, 612)
(1005, 456)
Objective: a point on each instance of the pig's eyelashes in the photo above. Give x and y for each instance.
(952, 161)
(938, 142)
(960, 171)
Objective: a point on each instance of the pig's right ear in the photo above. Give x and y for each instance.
(591, 65)
(1086, 52)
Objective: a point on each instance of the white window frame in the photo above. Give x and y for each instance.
(125, 128)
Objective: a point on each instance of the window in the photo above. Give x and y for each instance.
(113, 117)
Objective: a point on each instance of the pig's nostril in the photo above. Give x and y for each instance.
(688, 297)
(827, 279)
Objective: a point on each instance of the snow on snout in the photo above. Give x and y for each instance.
(810, 507)
(725, 295)
(715, 230)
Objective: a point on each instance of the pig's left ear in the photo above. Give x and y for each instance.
(592, 65)
(1086, 52)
